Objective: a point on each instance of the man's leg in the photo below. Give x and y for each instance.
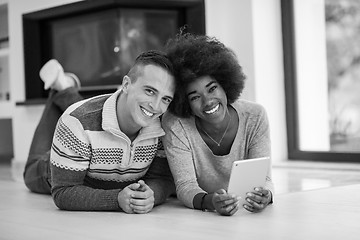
(37, 168)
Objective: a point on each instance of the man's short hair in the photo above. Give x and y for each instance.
(151, 57)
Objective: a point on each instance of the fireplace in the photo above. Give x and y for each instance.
(98, 40)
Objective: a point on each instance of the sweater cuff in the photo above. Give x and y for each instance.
(197, 200)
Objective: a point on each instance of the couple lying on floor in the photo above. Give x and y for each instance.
(114, 152)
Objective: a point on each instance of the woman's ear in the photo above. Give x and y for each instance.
(125, 83)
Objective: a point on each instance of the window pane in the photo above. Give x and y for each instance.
(327, 34)
(343, 65)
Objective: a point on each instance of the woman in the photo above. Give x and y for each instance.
(208, 128)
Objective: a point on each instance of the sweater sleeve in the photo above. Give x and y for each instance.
(259, 141)
(70, 158)
(179, 155)
(160, 180)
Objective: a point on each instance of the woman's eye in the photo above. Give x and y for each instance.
(212, 88)
(194, 98)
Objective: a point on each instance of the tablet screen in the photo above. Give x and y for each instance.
(246, 175)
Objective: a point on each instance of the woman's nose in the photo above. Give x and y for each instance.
(206, 99)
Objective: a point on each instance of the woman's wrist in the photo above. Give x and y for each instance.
(203, 201)
(208, 203)
(202, 204)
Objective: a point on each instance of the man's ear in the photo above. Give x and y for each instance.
(125, 83)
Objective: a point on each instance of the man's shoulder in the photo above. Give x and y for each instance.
(88, 106)
(88, 112)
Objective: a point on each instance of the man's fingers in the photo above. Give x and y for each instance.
(141, 205)
(134, 186)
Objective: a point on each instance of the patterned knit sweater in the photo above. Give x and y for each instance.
(194, 166)
(92, 160)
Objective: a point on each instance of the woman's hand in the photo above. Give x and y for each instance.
(224, 203)
(136, 198)
(258, 200)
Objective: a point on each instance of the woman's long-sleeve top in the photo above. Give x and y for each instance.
(194, 166)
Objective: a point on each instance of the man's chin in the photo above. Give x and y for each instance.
(145, 121)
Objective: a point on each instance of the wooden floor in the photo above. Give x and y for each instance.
(310, 203)
(289, 177)
(326, 213)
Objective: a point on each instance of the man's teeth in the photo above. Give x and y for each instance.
(147, 113)
(213, 110)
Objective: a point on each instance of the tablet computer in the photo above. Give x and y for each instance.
(246, 175)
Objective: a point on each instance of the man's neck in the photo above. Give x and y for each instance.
(126, 125)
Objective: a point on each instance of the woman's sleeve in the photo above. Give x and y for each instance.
(260, 143)
(181, 163)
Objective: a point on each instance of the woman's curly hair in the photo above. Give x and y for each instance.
(195, 56)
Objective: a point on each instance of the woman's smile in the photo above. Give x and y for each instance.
(213, 110)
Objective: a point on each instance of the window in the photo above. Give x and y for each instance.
(322, 79)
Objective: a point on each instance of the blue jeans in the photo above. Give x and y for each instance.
(37, 169)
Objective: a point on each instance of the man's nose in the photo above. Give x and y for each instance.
(155, 104)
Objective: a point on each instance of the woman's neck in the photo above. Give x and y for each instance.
(212, 127)
(219, 137)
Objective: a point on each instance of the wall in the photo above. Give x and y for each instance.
(25, 118)
(269, 71)
(251, 28)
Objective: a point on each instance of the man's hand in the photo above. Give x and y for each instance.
(136, 198)
(142, 200)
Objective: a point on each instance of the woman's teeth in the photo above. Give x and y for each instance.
(213, 110)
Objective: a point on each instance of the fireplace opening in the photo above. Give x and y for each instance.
(99, 40)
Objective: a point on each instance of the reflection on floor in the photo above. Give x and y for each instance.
(293, 180)
(286, 178)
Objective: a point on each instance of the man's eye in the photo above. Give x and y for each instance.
(167, 100)
(149, 92)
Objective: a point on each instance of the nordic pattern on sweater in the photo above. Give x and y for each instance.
(103, 162)
(90, 153)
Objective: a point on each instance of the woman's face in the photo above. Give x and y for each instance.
(207, 99)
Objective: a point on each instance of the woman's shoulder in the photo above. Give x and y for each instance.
(243, 106)
(251, 114)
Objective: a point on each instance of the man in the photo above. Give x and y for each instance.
(103, 154)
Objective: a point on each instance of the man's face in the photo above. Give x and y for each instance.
(149, 95)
